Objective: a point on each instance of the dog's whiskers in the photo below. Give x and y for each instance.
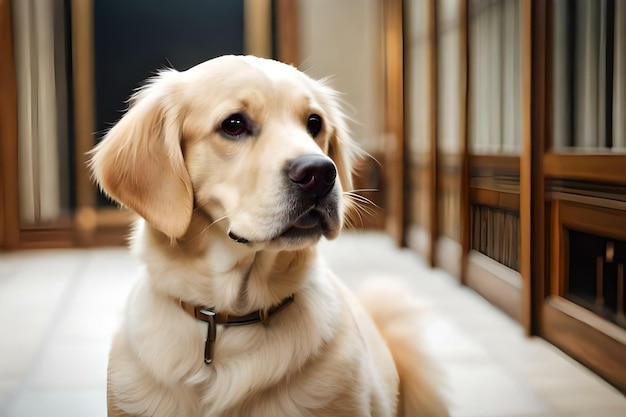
(224, 217)
(358, 206)
(353, 196)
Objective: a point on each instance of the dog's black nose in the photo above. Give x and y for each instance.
(314, 174)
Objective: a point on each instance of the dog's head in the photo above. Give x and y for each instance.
(256, 145)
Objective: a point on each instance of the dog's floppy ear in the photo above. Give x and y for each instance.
(140, 162)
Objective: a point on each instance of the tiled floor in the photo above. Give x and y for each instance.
(58, 310)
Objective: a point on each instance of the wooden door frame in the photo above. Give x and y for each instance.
(433, 99)
(9, 196)
(532, 187)
(287, 27)
(465, 221)
(394, 119)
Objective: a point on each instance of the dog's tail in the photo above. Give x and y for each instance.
(396, 316)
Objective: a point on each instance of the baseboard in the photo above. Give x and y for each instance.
(596, 343)
(498, 284)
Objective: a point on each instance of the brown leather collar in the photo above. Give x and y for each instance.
(212, 318)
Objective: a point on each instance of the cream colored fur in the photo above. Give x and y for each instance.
(169, 160)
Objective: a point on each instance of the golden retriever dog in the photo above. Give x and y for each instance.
(238, 167)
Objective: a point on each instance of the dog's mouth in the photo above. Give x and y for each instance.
(309, 226)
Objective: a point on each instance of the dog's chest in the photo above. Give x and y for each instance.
(243, 379)
(252, 364)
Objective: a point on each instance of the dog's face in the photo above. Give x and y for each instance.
(254, 144)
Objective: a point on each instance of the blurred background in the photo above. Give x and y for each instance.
(496, 129)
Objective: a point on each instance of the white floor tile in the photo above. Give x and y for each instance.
(58, 403)
(7, 391)
(65, 364)
(444, 341)
(482, 389)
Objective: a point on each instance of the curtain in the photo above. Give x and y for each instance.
(41, 109)
(495, 77)
(418, 81)
(511, 82)
(561, 80)
(590, 81)
(589, 75)
(448, 114)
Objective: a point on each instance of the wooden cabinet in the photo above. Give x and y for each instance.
(533, 188)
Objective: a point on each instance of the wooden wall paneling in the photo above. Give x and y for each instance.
(557, 252)
(82, 68)
(52, 236)
(83, 83)
(287, 31)
(393, 27)
(508, 200)
(590, 167)
(597, 344)
(464, 213)
(9, 198)
(500, 285)
(595, 220)
(433, 222)
(582, 333)
(532, 195)
(494, 199)
(585, 195)
(493, 258)
(486, 164)
(526, 161)
(258, 27)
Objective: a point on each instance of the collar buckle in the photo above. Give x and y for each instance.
(211, 335)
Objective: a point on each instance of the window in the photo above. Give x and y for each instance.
(589, 75)
(494, 77)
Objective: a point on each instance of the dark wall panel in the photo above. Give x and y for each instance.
(134, 39)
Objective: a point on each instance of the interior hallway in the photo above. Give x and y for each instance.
(59, 308)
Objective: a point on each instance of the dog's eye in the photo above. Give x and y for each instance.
(235, 126)
(314, 124)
